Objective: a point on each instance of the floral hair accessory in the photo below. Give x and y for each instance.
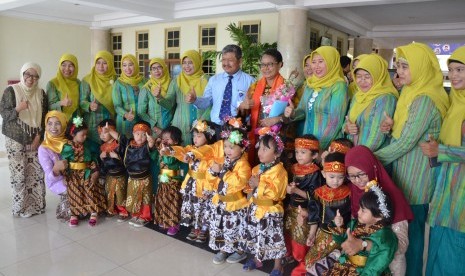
(202, 126)
(77, 121)
(303, 143)
(234, 122)
(336, 167)
(370, 184)
(338, 147)
(268, 131)
(381, 200)
(235, 137)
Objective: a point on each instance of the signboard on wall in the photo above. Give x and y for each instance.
(444, 48)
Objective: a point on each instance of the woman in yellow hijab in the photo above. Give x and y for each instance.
(447, 207)
(352, 88)
(96, 95)
(324, 102)
(50, 159)
(63, 90)
(191, 80)
(126, 95)
(421, 107)
(375, 95)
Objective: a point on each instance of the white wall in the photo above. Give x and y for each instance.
(331, 33)
(41, 42)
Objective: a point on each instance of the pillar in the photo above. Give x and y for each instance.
(362, 46)
(387, 54)
(292, 27)
(100, 40)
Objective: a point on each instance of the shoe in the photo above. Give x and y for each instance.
(122, 218)
(93, 220)
(73, 222)
(220, 257)
(193, 235)
(236, 258)
(251, 264)
(173, 230)
(276, 272)
(202, 237)
(132, 221)
(140, 223)
(25, 215)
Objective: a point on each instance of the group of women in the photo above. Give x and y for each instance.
(422, 145)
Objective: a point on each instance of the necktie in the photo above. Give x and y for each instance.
(226, 103)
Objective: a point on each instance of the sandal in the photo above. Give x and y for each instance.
(93, 220)
(276, 272)
(73, 222)
(251, 264)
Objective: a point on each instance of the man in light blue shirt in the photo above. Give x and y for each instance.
(214, 92)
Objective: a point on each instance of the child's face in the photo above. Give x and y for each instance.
(166, 139)
(105, 137)
(54, 126)
(333, 179)
(140, 137)
(199, 139)
(80, 137)
(266, 155)
(365, 216)
(231, 150)
(304, 156)
(358, 177)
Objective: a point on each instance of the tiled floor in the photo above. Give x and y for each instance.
(41, 245)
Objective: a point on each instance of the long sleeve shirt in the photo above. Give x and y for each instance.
(150, 111)
(47, 159)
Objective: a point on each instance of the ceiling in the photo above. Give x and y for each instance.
(388, 22)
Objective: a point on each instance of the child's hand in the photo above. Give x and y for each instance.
(114, 155)
(157, 130)
(164, 150)
(312, 235)
(150, 140)
(103, 155)
(216, 167)
(338, 220)
(188, 158)
(253, 181)
(302, 216)
(290, 188)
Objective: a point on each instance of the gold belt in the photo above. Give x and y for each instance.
(168, 172)
(198, 175)
(231, 197)
(358, 260)
(264, 201)
(78, 165)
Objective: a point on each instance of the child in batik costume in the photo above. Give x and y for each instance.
(306, 178)
(111, 154)
(372, 228)
(196, 186)
(263, 226)
(139, 152)
(332, 198)
(168, 198)
(85, 195)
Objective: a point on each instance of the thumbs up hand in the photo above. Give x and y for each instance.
(302, 216)
(156, 91)
(129, 115)
(386, 124)
(351, 245)
(66, 101)
(430, 148)
(191, 96)
(338, 220)
(247, 103)
(93, 105)
(23, 105)
(351, 127)
(150, 140)
(289, 111)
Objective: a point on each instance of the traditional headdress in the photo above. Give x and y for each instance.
(338, 147)
(267, 131)
(335, 166)
(141, 127)
(232, 132)
(203, 127)
(304, 143)
(381, 200)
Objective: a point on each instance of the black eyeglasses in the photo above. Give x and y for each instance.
(267, 65)
(353, 177)
(27, 76)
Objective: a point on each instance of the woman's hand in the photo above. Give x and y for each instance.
(351, 128)
(129, 115)
(247, 103)
(386, 124)
(93, 105)
(430, 148)
(289, 111)
(66, 101)
(267, 122)
(59, 167)
(156, 91)
(23, 105)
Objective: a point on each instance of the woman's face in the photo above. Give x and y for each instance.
(128, 67)
(319, 66)
(358, 177)
(156, 71)
(403, 71)
(188, 66)
(364, 80)
(30, 77)
(67, 68)
(101, 66)
(269, 67)
(457, 75)
(308, 68)
(54, 126)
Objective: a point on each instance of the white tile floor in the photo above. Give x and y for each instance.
(41, 245)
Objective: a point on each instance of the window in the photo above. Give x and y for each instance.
(116, 49)
(252, 29)
(142, 50)
(207, 48)
(207, 36)
(339, 46)
(172, 39)
(314, 36)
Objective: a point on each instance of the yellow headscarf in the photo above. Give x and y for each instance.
(164, 81)
(427, 80)
(451, 133)
(382, 84)
(55, 143)
(136, 78)
(334, 73)
(68, 86)
(196, 80)
(352, 89)
(101, 85)
(300, 91)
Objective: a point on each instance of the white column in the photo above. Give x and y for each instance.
(100, 40)
(387, 54)
(362, 46)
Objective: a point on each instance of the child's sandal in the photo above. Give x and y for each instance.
(93, 220)
(251, 264)
(73, 222)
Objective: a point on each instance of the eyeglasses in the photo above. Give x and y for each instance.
(187, 63)
(27, 76)
(156, 68)
(354, 177)
(267, 65)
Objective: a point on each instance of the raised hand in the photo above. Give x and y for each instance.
(247, 103)
(66, 101)
(23, 105)
(289, 111)
(156, 91)
(338, 220)
(351, 127)
(130, 115)
(386, 124)
(302, 216)
(430, 148)
(150, 140)
(191, 96)
(93, 105)
(351, 245)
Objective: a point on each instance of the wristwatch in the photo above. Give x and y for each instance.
(364, 245)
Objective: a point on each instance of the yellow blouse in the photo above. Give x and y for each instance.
(271, 187)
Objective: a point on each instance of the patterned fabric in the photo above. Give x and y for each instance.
(116, 187)
(322, 265)
(326, 117)
(324, 245)
(369, 121)
(225, 109)
(139, 197)
(225, 229)
(26, 178)
(193, 207)
(296, 232)
(411, 170)
(63, 212)
(168, 203)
